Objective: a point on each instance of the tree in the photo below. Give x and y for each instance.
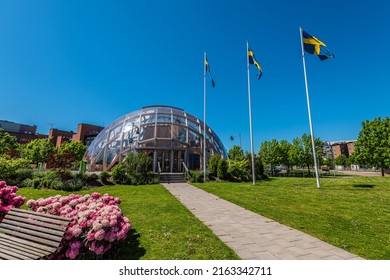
(7, 142)
(236, 153)
(373, 144)
(341, 160)
(301, 152)
(284, 148)
(38, 150)
(269, 153)
(329, 162)
(75, 148)
(213, 165)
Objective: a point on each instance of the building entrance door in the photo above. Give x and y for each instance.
(163, 158)
(178, 158)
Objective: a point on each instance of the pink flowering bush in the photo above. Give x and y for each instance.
(9, 199)
(98, 223)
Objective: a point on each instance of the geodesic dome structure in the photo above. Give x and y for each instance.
(169, 135)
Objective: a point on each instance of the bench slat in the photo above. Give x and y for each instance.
(30, 237)
(23, 248)
(35, 246)
(20, 224)
(44, 236)
(45, 224)
(19, 253)
(5, 256)
(14, 254)
(40, 217)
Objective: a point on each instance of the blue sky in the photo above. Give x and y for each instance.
(70, 62)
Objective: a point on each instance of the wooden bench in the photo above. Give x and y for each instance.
(26, 235)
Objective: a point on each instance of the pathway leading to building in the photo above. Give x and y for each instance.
(250, 235)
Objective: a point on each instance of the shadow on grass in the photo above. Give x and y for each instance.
(364, 186)
(130, 248)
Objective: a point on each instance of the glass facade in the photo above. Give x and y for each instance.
(168, 135)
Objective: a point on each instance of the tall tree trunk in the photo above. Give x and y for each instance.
(308, 169)
(383, 171)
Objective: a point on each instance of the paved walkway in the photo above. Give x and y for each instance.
(250, 235)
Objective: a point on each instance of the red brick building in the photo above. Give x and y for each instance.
(26, 133)
(343, 148)
(86, 133)
(23, 133)
(60, 136)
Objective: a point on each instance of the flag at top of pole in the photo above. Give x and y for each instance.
(312, 45)
(252, 60)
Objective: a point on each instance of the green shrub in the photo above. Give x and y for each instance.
(64, 174)
(195, 176)
(223, 166)
(213, 166)
(119, 175)
(238, 170)
(104, 176)
(14, 171)
(72, 185)
(152, 178)
(34, 183)
(49, 179)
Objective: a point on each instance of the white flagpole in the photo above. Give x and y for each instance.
(250, 114)
(204, 118)
(308, 109)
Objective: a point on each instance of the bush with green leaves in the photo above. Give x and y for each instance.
(119, 175)
(134, 170)
(195, 176)
(238, 170)
(223, 166)
(213, 165)
(104, 176)
(14, 171)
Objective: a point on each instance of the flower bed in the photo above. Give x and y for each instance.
(98, 223)
(9, 199)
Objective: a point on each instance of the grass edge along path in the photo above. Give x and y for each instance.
(350, 213)
(162, 228)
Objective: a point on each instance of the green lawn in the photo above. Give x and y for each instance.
(163, 229)
(351, 213)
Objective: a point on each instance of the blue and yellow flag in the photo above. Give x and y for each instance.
(314, 46)
(208, 71)
(252, 60)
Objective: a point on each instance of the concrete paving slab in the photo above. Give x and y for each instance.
(251, 235)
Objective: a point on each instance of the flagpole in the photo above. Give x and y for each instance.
(204, 118)
(250, 114)
(308, 109)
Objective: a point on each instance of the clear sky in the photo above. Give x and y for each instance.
(69, 62)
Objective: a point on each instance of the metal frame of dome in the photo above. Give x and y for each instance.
(169, 135)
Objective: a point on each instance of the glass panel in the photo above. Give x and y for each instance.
(193, 125)
(164, 110)
(179, 133)
(163, 131)
(164, 118)
(115, 132)
(194, 139)
(147, 132)
(148, 118)
(179, 120)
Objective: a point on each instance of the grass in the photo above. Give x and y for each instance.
(351, 213)
(162, 228)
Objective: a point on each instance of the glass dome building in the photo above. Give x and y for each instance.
(169, 135)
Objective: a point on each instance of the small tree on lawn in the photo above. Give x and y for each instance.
(373, 144)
